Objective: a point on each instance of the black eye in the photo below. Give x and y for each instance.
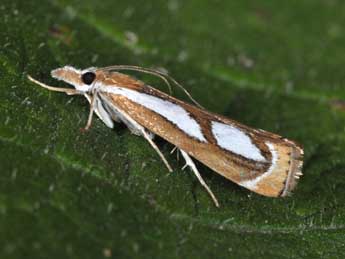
(88, 78)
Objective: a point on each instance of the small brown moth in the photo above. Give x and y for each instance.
(260, 161)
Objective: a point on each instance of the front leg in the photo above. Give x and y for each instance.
(93, 103)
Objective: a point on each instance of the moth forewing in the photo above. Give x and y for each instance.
(258, 160)
(284, 170)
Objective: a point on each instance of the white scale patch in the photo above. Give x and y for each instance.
(252, 184)
(172, 112)
(234, 140)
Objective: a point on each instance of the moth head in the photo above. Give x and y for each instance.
(82, 80)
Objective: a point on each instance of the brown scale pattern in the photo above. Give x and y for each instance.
(230, 165)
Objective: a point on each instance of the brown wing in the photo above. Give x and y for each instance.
(274, 176)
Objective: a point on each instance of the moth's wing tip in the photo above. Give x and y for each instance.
(295, 172)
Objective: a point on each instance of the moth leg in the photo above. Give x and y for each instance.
(177, 152)
(148, 137)
(136, 129)
(190, 163)
(93, 103)
(173, 150)
(102, 113)
(119, 116)
(141, 131)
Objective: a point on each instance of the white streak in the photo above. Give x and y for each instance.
(172, 112)
(252, 184)
(234, 140)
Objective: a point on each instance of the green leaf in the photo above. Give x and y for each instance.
(276, 65)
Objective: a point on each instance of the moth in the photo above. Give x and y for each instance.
(260, 161)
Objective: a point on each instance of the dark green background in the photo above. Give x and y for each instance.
(276, 65)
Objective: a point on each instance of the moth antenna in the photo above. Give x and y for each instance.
(184, 90)
(140, 69)
(165, 77)
(68, 91)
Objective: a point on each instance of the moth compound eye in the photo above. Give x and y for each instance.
(88, 78)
